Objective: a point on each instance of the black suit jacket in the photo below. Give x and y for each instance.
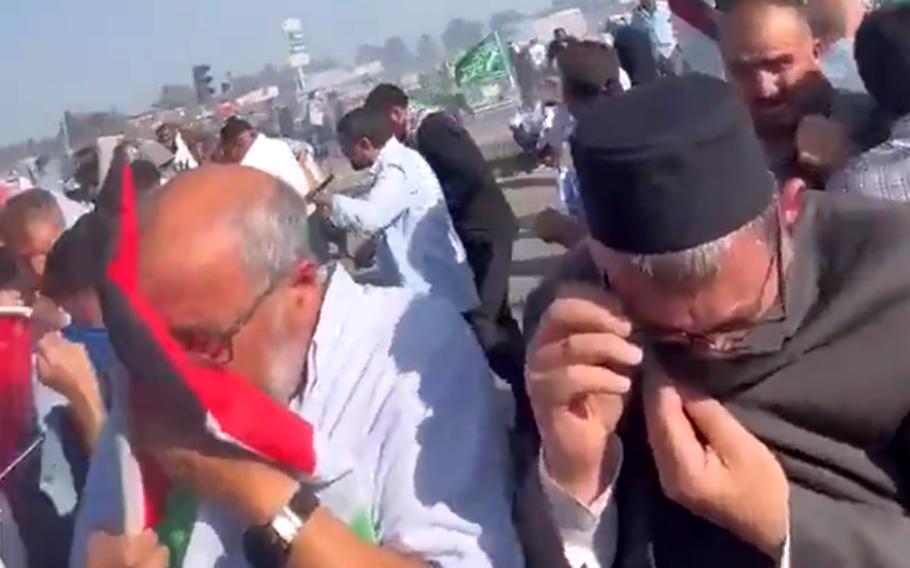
(827, 389)
(475, 201)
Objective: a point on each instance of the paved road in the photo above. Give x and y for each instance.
(532, 258)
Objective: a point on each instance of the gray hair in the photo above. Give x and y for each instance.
(697, 266)
(274, 234)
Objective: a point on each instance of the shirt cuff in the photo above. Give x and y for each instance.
(589, 532)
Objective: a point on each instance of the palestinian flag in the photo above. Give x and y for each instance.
(230, 408)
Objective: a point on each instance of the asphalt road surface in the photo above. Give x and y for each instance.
(531, 258)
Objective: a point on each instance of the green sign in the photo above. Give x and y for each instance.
(484, 62)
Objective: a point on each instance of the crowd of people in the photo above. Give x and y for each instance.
(713, 374)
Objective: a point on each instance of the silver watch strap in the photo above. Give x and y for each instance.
(287, 525)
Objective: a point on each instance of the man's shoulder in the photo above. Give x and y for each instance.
(860, 225)
(883, 171)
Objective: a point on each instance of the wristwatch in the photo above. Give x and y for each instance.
(269, 546)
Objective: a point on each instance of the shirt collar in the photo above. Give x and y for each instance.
(389, 150)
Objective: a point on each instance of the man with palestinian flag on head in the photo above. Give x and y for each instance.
(271, 412)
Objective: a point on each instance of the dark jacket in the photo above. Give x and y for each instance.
(475, 201)
(826, 388)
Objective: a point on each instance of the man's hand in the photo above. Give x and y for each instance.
(711, 465)
(822, 144)
(579, 368)
(65, 366)
(174, 436)
(322, 200)
(46, 317)
(140, 551)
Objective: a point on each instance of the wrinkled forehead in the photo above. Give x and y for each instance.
(764, 32)
(191, 272)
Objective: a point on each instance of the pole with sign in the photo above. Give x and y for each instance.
(298, 56)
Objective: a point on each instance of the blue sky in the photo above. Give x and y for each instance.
(95, 54)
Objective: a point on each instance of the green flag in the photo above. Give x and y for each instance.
(483, 62)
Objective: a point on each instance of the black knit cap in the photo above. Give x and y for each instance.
(670, 166)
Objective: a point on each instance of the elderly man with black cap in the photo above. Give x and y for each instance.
(731, 389)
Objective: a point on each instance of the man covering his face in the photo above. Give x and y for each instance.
(384, 376)
(701, 398)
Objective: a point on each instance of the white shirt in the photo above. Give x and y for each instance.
(275, 157)
(418, 247)
(590, 532)
(183, 158)
(538, 54)
(402, 395)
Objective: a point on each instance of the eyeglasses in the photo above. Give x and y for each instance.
(730, 338)
(218, 348)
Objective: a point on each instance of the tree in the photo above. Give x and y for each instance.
(500, 19)
(428, 51)
(461, 34)
(396, 55)
(368, 54)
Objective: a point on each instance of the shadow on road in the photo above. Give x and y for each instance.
(520, 182)
(539, 266)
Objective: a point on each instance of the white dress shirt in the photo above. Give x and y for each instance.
(183, 158)
(275, 157)
(402, 395)
(417, 247)
(590, 533)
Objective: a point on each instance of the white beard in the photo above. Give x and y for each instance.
(286, 369)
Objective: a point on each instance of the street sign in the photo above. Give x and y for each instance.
(298, 56)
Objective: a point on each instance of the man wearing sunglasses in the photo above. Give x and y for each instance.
(730, 386)
(388, 379)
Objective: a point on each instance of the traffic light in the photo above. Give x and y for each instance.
(202, 81)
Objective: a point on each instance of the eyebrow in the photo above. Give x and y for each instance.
(764, 59)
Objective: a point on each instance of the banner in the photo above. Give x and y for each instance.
(484, 62)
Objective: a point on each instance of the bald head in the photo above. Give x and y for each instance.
(219, 224)
(224, 258)
(773, 59)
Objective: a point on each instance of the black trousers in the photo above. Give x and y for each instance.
(494, 325)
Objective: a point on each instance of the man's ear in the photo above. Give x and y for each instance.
(790, 201)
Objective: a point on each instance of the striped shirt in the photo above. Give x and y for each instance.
(883, 171)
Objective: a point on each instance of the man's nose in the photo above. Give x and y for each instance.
(765, 85)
